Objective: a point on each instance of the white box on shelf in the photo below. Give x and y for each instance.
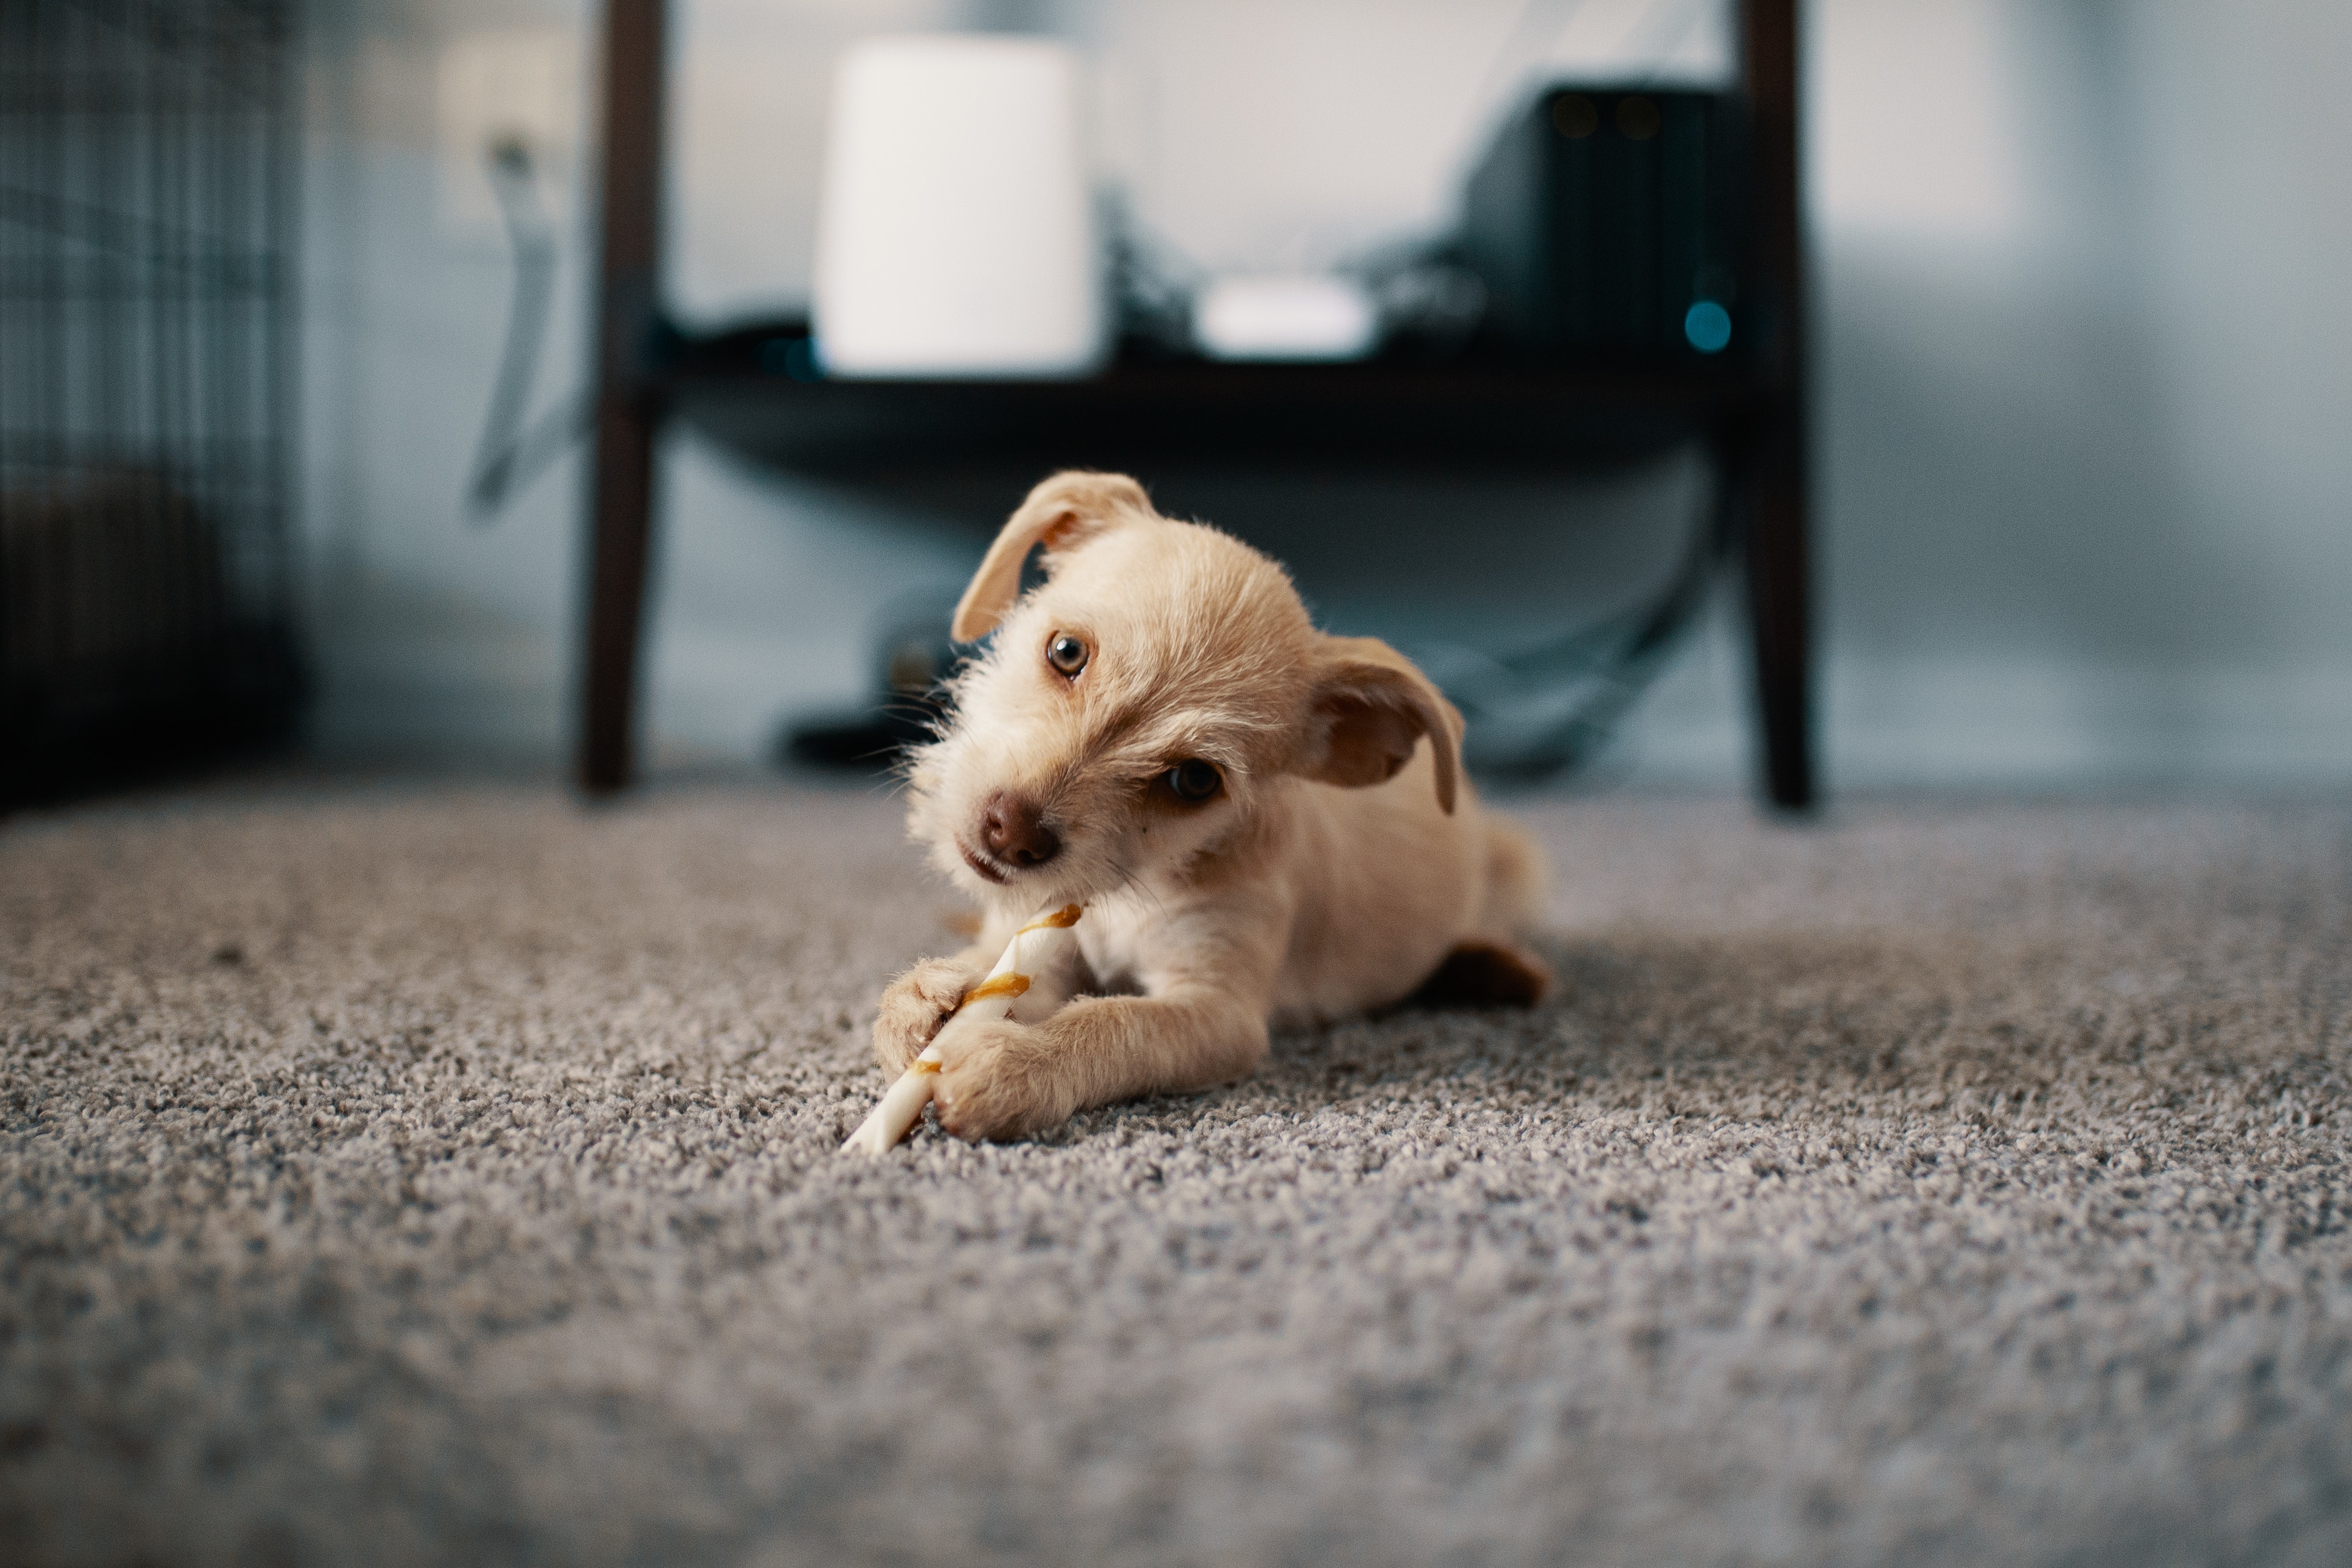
(956, 228)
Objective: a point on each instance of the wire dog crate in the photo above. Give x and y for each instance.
(148, 286)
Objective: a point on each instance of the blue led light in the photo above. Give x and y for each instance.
(1708, 325)
(793, 357)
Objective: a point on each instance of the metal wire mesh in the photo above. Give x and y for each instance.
(148, 280)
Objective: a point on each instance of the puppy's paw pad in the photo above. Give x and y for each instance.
(1479, 974)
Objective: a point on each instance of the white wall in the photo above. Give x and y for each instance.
(2083, 366)
(2082, 371)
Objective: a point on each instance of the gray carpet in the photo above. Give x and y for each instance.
(416, 1174)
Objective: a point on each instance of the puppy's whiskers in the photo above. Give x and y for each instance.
(1128, 878)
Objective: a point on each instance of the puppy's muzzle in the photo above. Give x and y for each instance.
(1015, 832)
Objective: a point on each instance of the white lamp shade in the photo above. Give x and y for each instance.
(956, 228)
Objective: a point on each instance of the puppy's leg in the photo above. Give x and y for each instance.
(1493, 971)
(1002, 1080)
(919, 1002)
(1514, 878)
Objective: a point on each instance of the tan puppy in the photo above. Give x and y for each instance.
(1262, 821)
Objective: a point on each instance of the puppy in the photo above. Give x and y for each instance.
(1264, 823)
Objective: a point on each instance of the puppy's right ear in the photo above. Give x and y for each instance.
(1372, 706)
(1060, 514)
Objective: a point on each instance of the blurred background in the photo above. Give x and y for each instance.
(2083, 370)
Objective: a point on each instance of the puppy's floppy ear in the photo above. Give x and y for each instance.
(1060, 514)
(1371, 706)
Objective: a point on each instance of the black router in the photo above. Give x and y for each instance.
(1604, 222)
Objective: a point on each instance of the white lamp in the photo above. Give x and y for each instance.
(956, 227)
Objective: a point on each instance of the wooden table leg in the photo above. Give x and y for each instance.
(621, 535)
(1773, 450)
(1779, 613)
(628, 406)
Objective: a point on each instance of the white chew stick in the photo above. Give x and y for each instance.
(1029, 983)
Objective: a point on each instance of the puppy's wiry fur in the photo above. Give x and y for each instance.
(1340, 861)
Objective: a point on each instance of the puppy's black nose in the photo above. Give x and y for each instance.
(1015, 831)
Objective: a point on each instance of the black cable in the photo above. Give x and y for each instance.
(1618, 657)
(1660, 43)
(1535, 30)
(509, 456)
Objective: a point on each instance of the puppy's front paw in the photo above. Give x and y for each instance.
(996, 1081)
(914, 1007)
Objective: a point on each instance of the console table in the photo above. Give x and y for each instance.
(1472, 416)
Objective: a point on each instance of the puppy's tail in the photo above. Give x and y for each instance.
(1514, 878)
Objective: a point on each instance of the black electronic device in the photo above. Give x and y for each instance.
(1604, 222)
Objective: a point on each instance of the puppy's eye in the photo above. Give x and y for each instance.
(1194, 781)
(1065, 653)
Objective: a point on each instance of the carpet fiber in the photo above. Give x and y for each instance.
(413, 1175)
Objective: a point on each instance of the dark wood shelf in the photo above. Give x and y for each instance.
(1147, 411)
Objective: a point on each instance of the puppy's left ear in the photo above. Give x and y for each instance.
(1060, 514)
(1372, 705)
